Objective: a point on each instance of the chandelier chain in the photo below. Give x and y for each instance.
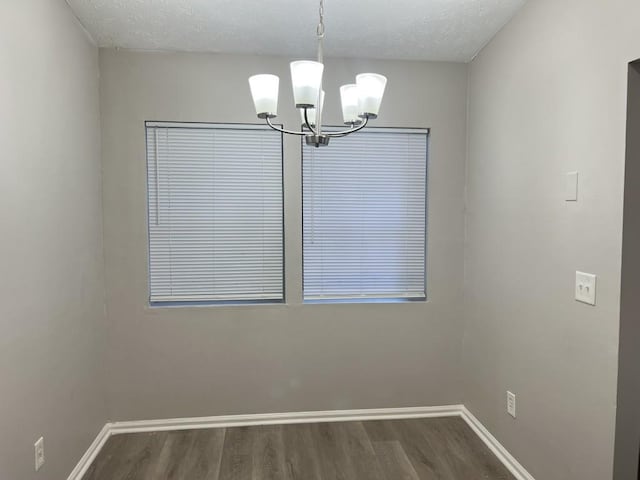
(320, 29)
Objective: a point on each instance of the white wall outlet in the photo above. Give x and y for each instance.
(511, 404)
(586, 288)
(571, 187)
(39, 451)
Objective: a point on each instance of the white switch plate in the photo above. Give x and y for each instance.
(511, 404)
(39, 452)
(586, 288)
(571, 187)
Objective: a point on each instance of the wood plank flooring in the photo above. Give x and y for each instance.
(415, 449)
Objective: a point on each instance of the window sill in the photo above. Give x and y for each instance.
(221, 303)
(363, 300)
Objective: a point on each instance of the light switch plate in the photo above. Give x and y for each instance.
(586, 288)
(571, 187)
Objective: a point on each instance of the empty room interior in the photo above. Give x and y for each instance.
(320, 240)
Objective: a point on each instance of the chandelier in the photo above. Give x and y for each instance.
(360, 100)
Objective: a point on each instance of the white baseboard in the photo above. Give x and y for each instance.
(91, 453)
(509, 461)
(300, 417)
(284, 418)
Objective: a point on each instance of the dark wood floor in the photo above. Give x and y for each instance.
(416, 449)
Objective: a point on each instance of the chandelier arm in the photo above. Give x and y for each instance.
(307, 124)
(339, 134)
(344, 133)
(282, 130)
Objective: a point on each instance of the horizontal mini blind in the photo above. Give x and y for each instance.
(364, 214)
(215, 213)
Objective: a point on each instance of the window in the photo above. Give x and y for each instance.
(364, 214)
(215, 213)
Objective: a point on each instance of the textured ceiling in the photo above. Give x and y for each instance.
(448, 30)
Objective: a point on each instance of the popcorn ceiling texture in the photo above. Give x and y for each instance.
(443, 30)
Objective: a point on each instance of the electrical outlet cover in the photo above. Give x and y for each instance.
(511, 404)
(39, 452)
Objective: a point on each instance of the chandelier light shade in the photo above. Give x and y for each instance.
(264, 90)
(311, 112)
(360, 101)
(350, 97)
(306, 77)
(370, 92)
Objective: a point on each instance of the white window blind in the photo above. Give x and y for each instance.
(364, 214)
(215, 212)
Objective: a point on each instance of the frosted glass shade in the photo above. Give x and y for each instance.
(306, 77)
(264, 90)
(370, 90)
(311, 113)
(350, 98)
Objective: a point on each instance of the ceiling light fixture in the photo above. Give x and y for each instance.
(360, 101)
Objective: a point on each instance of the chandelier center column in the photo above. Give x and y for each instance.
(320, 34)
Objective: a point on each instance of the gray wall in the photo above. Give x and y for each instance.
(628, 413)
(548, 96)
(51, 287)
(180, 362)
